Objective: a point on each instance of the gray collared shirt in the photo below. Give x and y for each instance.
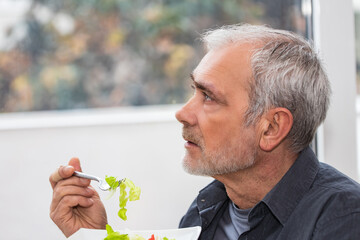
(312, 201)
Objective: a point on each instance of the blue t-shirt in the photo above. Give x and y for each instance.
(233, 223)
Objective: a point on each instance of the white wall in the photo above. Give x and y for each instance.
(146, 150)
(334, 36)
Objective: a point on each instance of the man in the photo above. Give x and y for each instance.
(259, 96)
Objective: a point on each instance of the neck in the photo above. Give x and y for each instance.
(249, 186)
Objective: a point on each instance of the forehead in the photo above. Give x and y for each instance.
(225, 68)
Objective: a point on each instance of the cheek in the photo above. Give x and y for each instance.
(210, 124)
(248, 138)
(218, 132)
(235, 137)
(222, 126)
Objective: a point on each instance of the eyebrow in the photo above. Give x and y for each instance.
(210, 90)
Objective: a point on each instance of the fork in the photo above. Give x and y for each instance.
(103, 185)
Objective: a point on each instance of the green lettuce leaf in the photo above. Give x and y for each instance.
(122, 213)
(132, 194)
(128, 192)
(112, 181)
(112, 235)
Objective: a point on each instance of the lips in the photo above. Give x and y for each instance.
(191, 138)
(190, 142)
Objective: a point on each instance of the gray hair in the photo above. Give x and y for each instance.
(287, 72)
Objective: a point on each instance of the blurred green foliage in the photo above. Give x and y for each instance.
(107, 53)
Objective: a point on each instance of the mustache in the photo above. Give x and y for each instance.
(192, 136)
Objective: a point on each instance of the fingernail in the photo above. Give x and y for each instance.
(68, 169)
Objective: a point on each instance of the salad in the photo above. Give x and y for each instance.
(132, 194)
(112, 235)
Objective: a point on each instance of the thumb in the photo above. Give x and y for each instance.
(64, 172)
(75, 163)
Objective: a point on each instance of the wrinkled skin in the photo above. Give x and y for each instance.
(75, 204)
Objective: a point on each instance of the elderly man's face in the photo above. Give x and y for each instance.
(218, 142)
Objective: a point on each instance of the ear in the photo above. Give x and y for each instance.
(275, 126)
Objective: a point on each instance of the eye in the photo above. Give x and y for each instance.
(193, 88)
(207, 98)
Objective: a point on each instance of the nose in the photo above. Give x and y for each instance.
(186, 115)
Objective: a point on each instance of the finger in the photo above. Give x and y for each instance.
(73, 181)
(65, 171)
(75, 162)
(60, 192)
(61, 173)
(55, 177)
(67, 204)
(64, 187)
(76, 181)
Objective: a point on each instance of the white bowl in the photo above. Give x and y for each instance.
(191, 233)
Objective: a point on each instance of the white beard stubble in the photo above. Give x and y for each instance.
(228, 158)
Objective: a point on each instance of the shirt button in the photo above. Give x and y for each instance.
(202, 200)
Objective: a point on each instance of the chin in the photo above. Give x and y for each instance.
(192, 166)
(196, 167)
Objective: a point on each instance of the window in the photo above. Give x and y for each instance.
(74, 54)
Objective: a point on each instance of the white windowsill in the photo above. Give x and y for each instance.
(88, 117)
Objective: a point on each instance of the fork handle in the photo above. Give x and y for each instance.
(87, 176)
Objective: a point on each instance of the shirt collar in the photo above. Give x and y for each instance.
(285, 196)
(210, 202)
(212, 194)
